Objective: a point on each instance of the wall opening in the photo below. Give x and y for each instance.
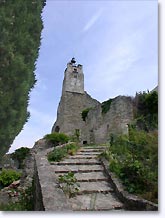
(57, 129)
(84, 142)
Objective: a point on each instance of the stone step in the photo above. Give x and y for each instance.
(88, 177)
(81, 156)
(77, 162)
(92, 149)
(94, 187)
(88, 153)
(95, 202)
(84, 155)
(77, 168)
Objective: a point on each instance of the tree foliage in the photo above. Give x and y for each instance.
(21, 25)
(146, 110)
(20, 155)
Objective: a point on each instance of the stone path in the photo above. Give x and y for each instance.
(95, 192)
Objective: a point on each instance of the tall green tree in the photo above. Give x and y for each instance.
(21, 25)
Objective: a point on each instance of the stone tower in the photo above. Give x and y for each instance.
(73, 78)
(73, 101)
(98, 125)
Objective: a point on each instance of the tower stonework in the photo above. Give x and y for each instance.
(73, 78)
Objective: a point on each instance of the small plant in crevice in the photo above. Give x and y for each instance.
(84, 113)
(105, 106)
(69, 184)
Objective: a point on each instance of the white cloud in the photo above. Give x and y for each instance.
(92, 20)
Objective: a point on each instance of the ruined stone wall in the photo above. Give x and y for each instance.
(99, 126)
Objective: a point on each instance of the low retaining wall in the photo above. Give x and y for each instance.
(48, 195)
(130, 201)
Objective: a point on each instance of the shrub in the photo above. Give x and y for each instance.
(146, 110)
(134, 159)
(60, 152)
(57, 138)
(8, 176)
(20, 155)
(57, 154)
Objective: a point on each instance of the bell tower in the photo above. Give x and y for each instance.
(73, 78)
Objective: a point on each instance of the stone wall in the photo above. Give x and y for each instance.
(100, 125)
(48, 195)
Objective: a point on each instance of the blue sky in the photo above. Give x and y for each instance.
(115, 41)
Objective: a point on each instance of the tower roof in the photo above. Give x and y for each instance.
(73, 61)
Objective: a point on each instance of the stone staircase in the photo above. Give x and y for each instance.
(95, 192)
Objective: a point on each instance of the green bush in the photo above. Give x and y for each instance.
(57, 138)
(134, 159)
(20, 155)
(8, 176)
(57, 155)
(60, 152)
(146, 110)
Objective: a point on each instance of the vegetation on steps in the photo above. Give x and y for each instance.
(21, 26)
(60, 152)
(69, 184)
